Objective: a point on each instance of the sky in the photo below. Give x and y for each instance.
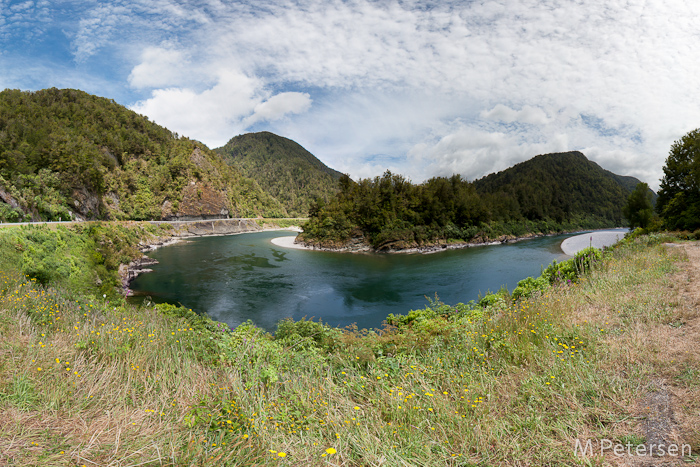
(421, 88)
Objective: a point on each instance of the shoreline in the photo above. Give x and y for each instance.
(288, 242)
(569, 246)
(596, 239)
(129, 272)
(428, 249)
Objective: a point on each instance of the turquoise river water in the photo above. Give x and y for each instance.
(240, 277)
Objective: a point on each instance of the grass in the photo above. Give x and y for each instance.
(91, 381)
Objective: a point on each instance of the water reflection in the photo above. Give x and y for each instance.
(244, 277)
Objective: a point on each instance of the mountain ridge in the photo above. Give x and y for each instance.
(68, 154)
(558, 185)
(290, 173)
(549, 193)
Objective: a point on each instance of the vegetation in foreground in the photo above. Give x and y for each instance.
(90, 380)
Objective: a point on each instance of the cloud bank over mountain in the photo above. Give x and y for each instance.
(422, 88)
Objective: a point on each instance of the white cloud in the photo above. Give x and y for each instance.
(527, 114)
(212, 115)
(278, 106)
(526, 63)
(217, 114)
(97, 29)
(454, 81)
(160, 67)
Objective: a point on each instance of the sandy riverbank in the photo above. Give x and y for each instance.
(288, 242)
(599, 239)
(570, 246)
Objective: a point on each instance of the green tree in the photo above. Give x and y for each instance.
(678, 203)
(639, 209)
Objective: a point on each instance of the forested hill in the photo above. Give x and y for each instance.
(547, 194)
(282, 167)
(557, 186)
(65, 153)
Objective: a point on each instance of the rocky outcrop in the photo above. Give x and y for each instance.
(201, 161)
(85, 203)
(5, 197)
(199, 201)
(358, 244)
(129, 272)
(215, 227)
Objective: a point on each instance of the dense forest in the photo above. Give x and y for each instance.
(549, 193)
(68, 154)
(557, 186)
(290, 173)
(678, 203)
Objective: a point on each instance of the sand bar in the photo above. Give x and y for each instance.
(288, 242)
(598, 239)
(570, 246)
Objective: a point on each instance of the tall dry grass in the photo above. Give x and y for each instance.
(86, 381)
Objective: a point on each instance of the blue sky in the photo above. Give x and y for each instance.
(423, 88)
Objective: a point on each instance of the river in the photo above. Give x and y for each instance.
(240, 277)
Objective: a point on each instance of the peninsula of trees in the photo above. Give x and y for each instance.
(549, 193)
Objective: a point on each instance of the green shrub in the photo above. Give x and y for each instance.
(586, 258)
(54, 256)
(412, 316)
(496, 299)
(528, 286)
(469, 311)
(193, 319)
(305, 334)
(571, 269)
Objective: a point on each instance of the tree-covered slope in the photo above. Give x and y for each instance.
(558, 186)
(286, 170)
(65, 153)
(549, 193)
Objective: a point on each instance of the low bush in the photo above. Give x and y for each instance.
(529, 286)
(306, 333)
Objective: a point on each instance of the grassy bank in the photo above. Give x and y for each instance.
(90, 380)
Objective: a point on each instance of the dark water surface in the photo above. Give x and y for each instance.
(240, 277)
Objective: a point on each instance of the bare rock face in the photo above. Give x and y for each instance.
(166, 209)
(111, 200)
(200, 160)
(200, 201)
(5, 197)
(128, 273)
(218, 227)
(86, 203)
